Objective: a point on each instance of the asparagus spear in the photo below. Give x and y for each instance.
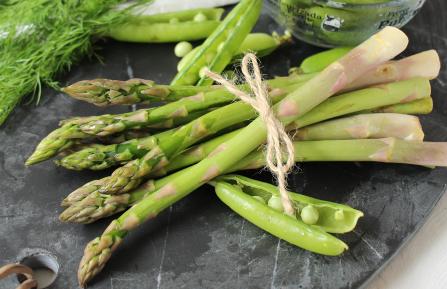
(389, 150)
(378, 49)
(421, 106)
(377, 125)
(370, 98)
(103, 92)
(425, 64)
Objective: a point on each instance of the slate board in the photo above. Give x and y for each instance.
(199, 243)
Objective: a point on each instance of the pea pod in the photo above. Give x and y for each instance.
(260, 43)
(319, 61)
(327, 210)
(168, 27)
(294, 231)
(218, 49)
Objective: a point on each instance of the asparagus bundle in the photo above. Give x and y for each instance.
(380, 48)
(356, 109)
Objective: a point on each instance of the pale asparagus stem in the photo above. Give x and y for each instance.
(377, 125)
(420, 106)
(389, 150)
(381, 47)
(425, 65)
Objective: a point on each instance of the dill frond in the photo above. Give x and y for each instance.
(40, 38)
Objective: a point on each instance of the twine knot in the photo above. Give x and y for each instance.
(277, 138)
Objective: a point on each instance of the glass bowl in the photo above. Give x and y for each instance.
(330, 23)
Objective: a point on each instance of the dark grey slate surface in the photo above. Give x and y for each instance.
(199, 243)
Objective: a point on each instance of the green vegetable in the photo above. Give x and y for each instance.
(309, 215)
(182, 48)
(377, 125)
(200, 17)
(326, 211)
(54, 34)
(297, 103)
(421, 106)
(103, 125)
(260, 43)
(96, 206)
(168, 27)
(352, 102)
(218, 49)
(320, 61)
(278, 224)
(159, 153)
(275, 203)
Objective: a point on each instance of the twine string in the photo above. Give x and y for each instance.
(278, 141)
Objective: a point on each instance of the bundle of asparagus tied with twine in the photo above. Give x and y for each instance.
(361, 107)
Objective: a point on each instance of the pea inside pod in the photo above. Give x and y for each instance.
(294, 231)
(328, 212)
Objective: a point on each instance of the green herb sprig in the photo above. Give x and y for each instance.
(39, 38)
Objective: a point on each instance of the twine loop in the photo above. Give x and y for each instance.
(278, 141)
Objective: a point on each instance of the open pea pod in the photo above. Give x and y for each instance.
(332, 217)
(294, 231)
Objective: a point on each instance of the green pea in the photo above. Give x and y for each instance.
(260, 199)
(174, 21)
(310, 215)
(200, 17)
(182, 48)
(275, 203)
(339, 215)
(202, 72)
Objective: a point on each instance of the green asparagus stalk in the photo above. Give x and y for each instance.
(366, 99)
(421, 106)
(388, 150)
(378, 125)
(99, 157)
(370, 98)
(104, 92)
(383, 46)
